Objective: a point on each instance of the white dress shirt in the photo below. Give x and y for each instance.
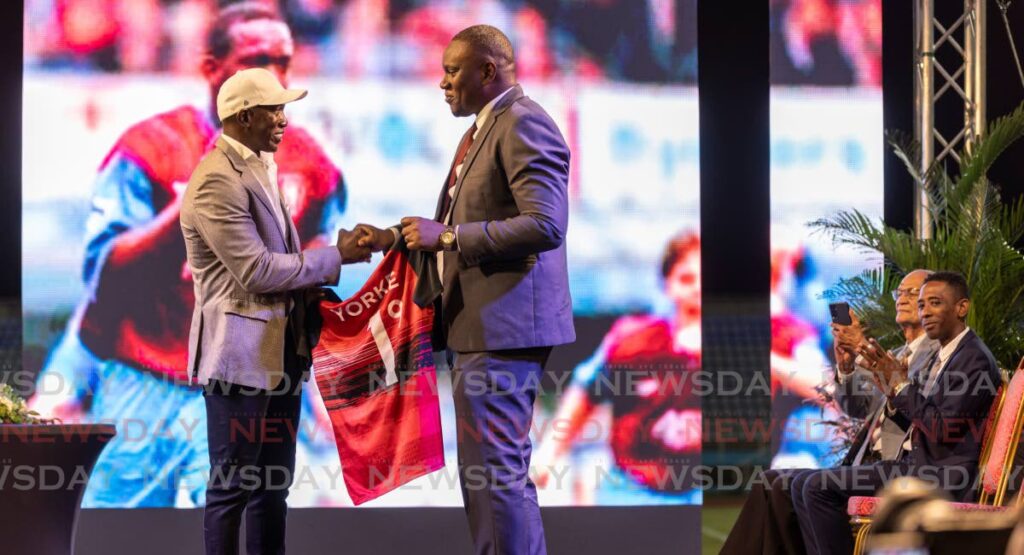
(266, 160)
(914, 348)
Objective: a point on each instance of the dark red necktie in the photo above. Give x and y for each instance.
(460, 156)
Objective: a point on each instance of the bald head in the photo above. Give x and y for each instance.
(478, 66)
(917, 276)
(906, 298)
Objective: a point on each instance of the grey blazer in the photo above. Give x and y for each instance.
(248, 276)
(507, 287)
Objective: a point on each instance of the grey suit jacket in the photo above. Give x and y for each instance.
(248, 276)
(859, 397)
(507, 287)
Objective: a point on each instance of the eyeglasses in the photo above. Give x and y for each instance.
(913, 292)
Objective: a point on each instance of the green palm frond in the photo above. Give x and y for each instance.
(1011, 221)
(1001, 133)
(851, 228)
(907, 150)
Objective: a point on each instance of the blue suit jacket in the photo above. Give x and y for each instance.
(507, 287)
(947, 425)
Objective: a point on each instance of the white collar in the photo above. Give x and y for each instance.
(485, 112)
(914, 345)
(246, 153)
(947, 351)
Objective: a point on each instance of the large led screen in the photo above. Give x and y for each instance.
(118, 109)
(826, 155)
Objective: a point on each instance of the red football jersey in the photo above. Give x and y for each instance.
(375, 370)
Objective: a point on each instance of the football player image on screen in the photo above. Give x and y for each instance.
(127, 341)
(655, 433)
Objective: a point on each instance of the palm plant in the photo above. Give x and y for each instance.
(975, 233)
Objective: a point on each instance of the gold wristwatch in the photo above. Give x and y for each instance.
(447, 239)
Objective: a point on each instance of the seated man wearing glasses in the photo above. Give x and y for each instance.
(767, 522)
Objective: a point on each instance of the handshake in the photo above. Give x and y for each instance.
(417, 233)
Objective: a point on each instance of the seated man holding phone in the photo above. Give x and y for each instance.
(767, 522)
(858, 390)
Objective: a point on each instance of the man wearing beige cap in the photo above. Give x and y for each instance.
(248, 343)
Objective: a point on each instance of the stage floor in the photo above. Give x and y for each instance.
(674, 530)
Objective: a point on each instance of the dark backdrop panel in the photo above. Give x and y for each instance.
(735, 209)
(10, 149)
(898, 106)
(734, 149)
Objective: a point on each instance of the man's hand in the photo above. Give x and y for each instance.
(849, 337)
(844, 358)
(422, 234)
(887, 370)
(845, 341)
(348, 246)
(373, 238)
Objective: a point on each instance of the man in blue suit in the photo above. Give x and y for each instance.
(498, 234)
(943, 409)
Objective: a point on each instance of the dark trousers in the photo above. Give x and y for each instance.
(767, 523)
(821, 503)
(494, 394)
(252, 462)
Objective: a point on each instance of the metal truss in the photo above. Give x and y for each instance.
(960, 42)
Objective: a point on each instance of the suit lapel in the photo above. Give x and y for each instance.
(862, 440)
(251, 180)
(293, 233)
(909, 436)
(515, 94)
(440, 198)
(969, 336)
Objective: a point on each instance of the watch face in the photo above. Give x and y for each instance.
(448, 237)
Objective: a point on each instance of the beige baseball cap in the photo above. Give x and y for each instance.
(253, 87)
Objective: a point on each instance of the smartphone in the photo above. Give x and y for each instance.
(840, 313)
